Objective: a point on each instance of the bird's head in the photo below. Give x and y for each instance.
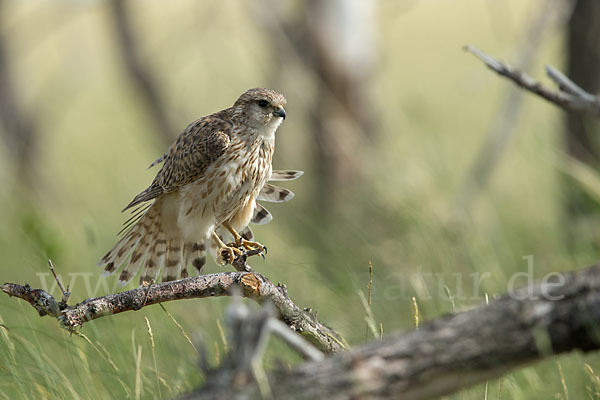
(261, 108)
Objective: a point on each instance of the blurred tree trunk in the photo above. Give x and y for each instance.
(582, 136)
(139, 72)
(339, 40)
(18, 127)
(332, 41)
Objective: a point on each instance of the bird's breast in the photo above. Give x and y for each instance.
(228, 189)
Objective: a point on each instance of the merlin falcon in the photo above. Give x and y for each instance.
(205, 192)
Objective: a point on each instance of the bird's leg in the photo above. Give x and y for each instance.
(226, 253)
(253, 248)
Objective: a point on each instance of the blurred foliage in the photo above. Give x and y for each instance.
(434, 104)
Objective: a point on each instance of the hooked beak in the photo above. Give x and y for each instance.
(280, 113)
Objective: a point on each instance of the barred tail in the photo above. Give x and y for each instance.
(146, 245)
(156, 258)
(198, 255)
(133, 249)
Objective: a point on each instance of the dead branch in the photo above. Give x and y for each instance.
(551, 13)
(443, 356)
(249, 333)
(252, 285)
(569, 96)
(447, 354)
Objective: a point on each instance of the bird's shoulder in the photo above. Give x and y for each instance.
(213, 129)
(197, 147)
(200, 144)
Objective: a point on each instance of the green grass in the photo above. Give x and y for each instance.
(435, 104)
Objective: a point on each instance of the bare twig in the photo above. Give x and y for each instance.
(66, 294)
(571, 99)
(252, 285)
(551, 13)
(567, 85)
(281, 330)
(450, 353)
(250, 332)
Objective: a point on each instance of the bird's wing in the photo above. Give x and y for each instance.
(200, 144)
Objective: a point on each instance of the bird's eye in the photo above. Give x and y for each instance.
(263, 103)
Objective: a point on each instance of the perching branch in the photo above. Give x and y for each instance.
(252, 285)
(447, 354)
(443, 356)
(569, 96)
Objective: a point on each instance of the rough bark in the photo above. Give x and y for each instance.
(450, 353)
(441, 357)
(252, 285)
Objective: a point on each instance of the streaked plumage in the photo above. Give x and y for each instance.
(209, 182)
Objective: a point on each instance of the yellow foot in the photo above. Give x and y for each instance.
(252, 248)
(227, 254)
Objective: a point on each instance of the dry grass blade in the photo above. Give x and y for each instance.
(369, 286)
(151, 335)
(415, 311)
(138, 373)
(102, 351)
(222, 334)
(180, 328)
(562, 380)
(370, 320)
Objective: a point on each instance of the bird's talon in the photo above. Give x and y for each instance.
(242, 247)
(223, 257)
(228, 254)
(252, 245)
